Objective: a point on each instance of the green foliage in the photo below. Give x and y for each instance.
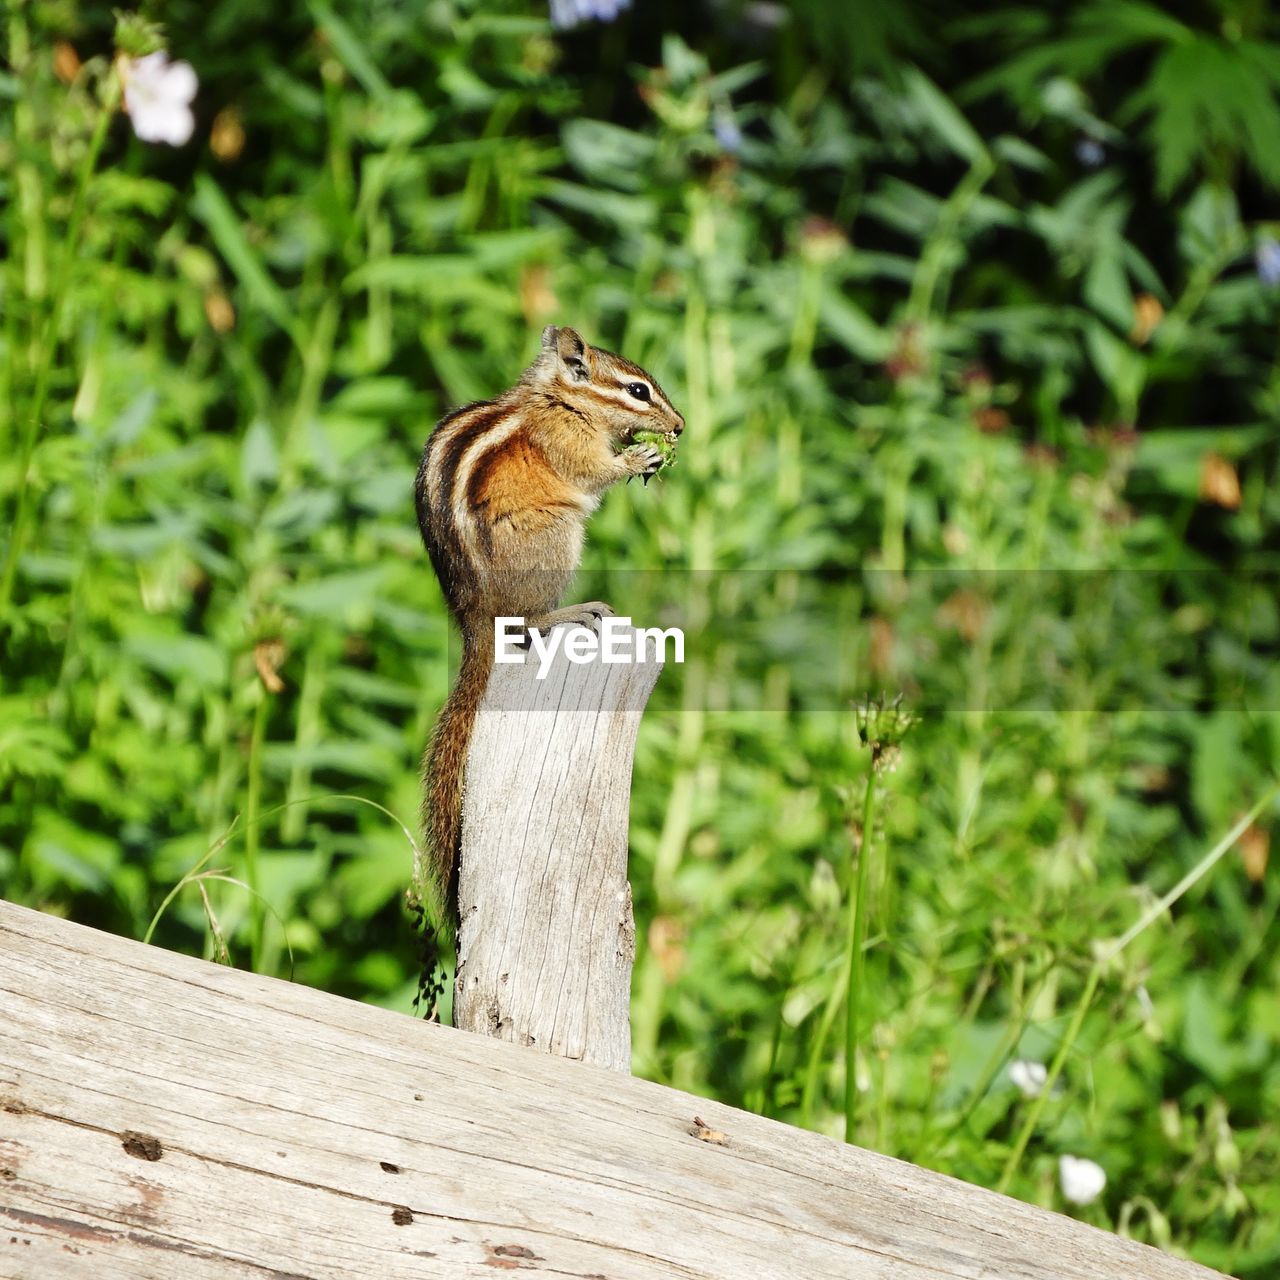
(1207, 100)
(972, 416)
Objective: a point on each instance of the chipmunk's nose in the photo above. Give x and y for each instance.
(679, 427)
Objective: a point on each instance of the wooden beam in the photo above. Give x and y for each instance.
(163, 1117)
(546, 937)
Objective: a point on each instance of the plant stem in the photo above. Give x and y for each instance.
(49, 343)
(854, 958)
(217, 845)
(252, 806)
(1201, 869)
(818, 1044)
(933, 263)
(309, 728)
(1055, 1069)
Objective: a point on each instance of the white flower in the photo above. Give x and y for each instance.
(1028, 1076)
(157, 96)
(1082, 1180)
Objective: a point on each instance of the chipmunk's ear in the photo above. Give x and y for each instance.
(570, 351)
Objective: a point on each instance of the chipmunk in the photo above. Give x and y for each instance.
(503, 496)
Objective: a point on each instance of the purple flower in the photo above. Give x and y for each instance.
(569, 13)
(1267, 258)
(728, 135)
(1090, 152)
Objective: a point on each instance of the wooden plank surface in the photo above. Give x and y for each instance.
(163, 1117)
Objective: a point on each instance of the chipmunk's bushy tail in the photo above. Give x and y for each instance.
(444, 765)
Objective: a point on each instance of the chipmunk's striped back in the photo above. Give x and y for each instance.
(442, 478)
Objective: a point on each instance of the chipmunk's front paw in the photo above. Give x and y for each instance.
(573, 615)
(583, 615)
(641, 460)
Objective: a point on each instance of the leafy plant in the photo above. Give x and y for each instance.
(977, 357)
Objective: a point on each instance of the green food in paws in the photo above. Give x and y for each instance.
(663, 441)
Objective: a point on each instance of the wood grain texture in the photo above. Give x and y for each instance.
(163, 1117)
(546, 937)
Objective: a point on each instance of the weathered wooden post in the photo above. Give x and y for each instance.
(546, 936)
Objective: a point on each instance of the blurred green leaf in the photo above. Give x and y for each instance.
(213, 209)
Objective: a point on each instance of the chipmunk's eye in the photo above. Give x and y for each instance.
(639, 390)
